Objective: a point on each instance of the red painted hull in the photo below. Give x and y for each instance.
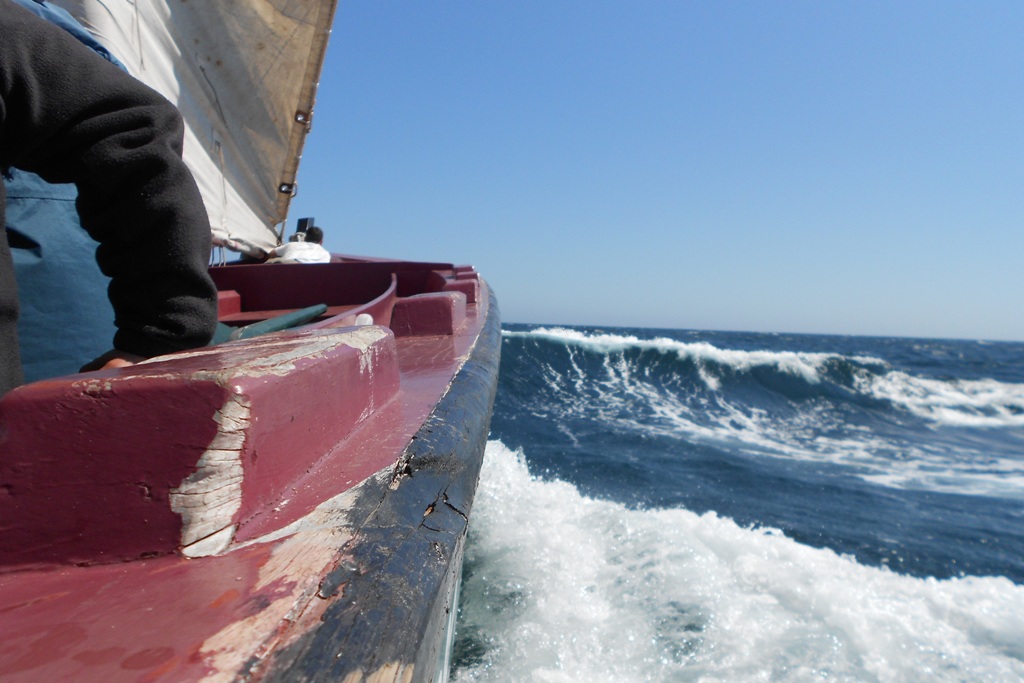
(287, 507)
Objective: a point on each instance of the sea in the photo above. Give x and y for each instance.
(676, 505)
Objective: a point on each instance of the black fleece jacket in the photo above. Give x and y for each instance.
(72, 117)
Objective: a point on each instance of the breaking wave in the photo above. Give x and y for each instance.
(949, 402)
(855, 410)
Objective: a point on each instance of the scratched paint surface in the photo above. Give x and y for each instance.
(131, 441)
(176, 619)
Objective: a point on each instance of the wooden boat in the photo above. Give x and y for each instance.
(290, 504)
(287, 507)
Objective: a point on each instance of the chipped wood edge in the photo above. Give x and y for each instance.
(209, 498)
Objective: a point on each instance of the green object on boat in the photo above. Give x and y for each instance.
(226, 333)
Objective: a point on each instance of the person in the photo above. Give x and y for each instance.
(60, 285)
(70, 116)
(307, 248)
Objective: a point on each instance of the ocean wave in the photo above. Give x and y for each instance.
(561, 587)
(807, 366)
(883, 424)
(853, 378)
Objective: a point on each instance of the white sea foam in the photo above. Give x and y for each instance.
(567, 588)
(957, 403)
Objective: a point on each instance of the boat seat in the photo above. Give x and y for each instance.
(429, 314)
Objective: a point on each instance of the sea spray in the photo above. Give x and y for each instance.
(559, 586)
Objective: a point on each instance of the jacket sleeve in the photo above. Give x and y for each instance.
(70, 116)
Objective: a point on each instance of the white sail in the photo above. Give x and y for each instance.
(244, 75)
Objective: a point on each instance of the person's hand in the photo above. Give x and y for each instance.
(112, 359)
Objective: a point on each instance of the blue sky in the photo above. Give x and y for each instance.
(850, 168)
